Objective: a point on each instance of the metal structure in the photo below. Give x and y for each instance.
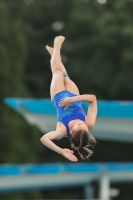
(50, 176)
(114, 122)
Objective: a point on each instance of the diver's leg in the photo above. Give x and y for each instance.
(69, 84)
(50, 50)
(56, 58)
(57, 83)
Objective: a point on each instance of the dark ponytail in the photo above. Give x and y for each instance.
(85, 153)
(82, 141)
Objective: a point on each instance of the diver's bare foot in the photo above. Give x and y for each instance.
(49, 49)
(58, 41)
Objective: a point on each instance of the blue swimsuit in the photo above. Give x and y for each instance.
(75, 111)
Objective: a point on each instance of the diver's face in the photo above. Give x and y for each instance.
(81, 125)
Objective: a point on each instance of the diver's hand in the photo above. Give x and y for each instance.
(65, 102)
(67, 153)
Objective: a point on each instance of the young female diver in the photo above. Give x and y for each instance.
(71, 118)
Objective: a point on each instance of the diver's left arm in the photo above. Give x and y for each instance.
(91, 113)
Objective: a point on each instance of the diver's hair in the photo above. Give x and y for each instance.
(83, 142)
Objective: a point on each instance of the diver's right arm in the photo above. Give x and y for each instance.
(47, 141)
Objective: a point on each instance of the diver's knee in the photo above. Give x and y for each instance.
(57, 72)
(56, 69)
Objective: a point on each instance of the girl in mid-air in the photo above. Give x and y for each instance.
(71, 118)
